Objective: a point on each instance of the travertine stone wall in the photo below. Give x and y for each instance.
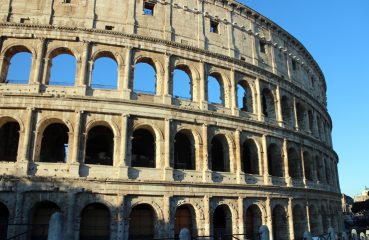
(246, 48)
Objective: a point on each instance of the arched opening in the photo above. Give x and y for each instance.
(275, 164)
(100, 146)
(143, 149)
(182, 84)
(253, 222)
(299, 222)
(244, 97)
(325, 220)
(54, 144)
(222, 223)
(286, 111)
(311, 121)
(250, 157)
(320, 169)
(294, 164)
(280, 225)
(300, 112)
(40, 218)
(4, 220)
(9, 140)
(105, 72)
(215, 89)
(145, 77)
(19, 68)
(184, 218)
(62, 68)
(268, 103)
(308, 165)
(142, 222)
(218, 154)
(95, 222)
(314, 221)
(184, 151)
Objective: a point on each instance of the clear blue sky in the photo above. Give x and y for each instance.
(336, 33)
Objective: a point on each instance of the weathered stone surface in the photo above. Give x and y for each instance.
(278, 160)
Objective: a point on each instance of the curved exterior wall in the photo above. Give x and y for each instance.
(244, 48)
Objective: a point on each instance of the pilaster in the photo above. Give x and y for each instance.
(126, 91)
(168, 170)
(122, 164)
(206, 173)
(290, 219)
(75, 163)
(167, 81)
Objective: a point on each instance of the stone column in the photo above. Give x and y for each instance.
(272, 51)
(303, 166)
(233, 93)
(131, 18)
(4, 65)
(307, 208)
(285, 162)
(265, 160)
(295, 114)
(168, 21)
(231, 51)
(207, 216)
(203, 87)
(241, 222)
(168, 170)
(200, 25)
(279, 107)
(258, 111)
(38, 62)
(290, 219)
(237, 136)
(70, 221)
(83, 77)
(46, 71)
(27, 135)
(121, 220)
(126, 91)
(269, 216)
(167, 219)
(167, 80)
(74, 162)
(206, 173)
(122, 164)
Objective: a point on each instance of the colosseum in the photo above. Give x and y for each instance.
(214, 119)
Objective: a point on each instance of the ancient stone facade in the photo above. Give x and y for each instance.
(109, 158)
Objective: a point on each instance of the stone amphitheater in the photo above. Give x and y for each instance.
(123, 163)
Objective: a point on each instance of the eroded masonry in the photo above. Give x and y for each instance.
(249, 144)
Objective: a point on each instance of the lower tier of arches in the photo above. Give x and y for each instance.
(108, 210)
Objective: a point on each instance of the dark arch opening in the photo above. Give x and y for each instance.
(219, 159)
(105, 73)
(54, 144)
(143, 149)
(4, 220)
(215, 89)
(183, 218)
(100, 146)
(253, 222)
(309, 168)
(314, 221)
(275, 165)
(286, 111)
(40, 218)
(182, 83)
(244, 97)
(95, 222)
(279, 220)
(222, 223)
(19, 69)
(145, 77)
(183, 152)
(142, 222)
(294, 164)
(299, 222)
(250, 157)
(9, 140)
(300, 112)
(63, 69)
(268, 104)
